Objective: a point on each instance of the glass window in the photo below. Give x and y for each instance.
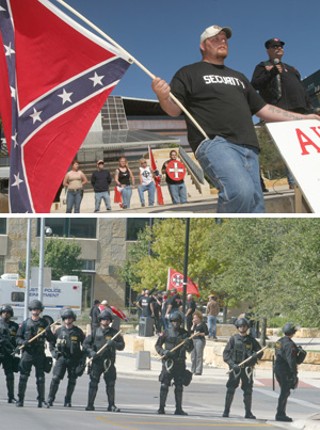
(134, 225)
(3, 225)
(1, 265)
(17, 297)
(67, 227)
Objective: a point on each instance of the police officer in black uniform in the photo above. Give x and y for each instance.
(240, 347)
(33, 353)
(69, 356)
(288, 356)
(8, 332)
(174, 363)
(103, 363)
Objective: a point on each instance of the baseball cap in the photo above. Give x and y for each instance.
(104, 302)
(272, 42)
(100, 162)
(213, 31)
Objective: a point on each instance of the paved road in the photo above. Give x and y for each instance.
(137, 394)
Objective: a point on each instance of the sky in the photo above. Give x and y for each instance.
(164, 35)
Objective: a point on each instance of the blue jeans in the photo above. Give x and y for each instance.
(212, 325)
(151, 188)
(105, 196)
(126, 196)
(234, 170)
(178, 193)
(74, 198)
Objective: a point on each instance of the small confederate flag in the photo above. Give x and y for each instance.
(55, 77)
(157, 177)
(175, 280)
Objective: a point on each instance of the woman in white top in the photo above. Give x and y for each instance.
(146, 183)
(74, 182)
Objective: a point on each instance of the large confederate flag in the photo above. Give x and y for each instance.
(55, 77)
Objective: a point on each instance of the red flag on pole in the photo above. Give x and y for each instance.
(55, 77)
(117, 195)
(175, 280)
(157, 177)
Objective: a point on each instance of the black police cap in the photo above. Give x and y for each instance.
(274, 41)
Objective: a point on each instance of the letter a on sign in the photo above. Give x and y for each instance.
(299, 145)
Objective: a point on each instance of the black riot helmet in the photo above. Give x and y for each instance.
(176, 317)
(241, 321)
(6, 308)
(105, 315)
(35, 304)
(68, 313)
(289, 329)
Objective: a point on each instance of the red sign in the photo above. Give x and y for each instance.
(176, 170)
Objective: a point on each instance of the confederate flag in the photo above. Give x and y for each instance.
(55, 77)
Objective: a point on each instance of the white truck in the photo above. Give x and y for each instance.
(66, 293)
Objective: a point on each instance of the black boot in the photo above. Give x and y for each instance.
(10, 389)
(178, 396)
(22, 390)
(163, 397)
(91, 396)
(41, 389)
(227, 405)
(70, 389)
(247, 400)
(111, 398)
(53, 391)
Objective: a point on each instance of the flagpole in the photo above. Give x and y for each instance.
(133, 60)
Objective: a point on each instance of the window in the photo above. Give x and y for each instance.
(67, 227)
(134, 226)
(17, 297)
(3, 226)
(1, 265)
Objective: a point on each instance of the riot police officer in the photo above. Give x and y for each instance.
(174, 363)
(8, 332)
(68, 355)
(103, 363)
(288, 356)
(33, 353)
(240, 347)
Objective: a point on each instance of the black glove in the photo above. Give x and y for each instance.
(93, 354)
(294, 382)
(111, 344)
(55, 354)
(236, 368)
(168, 354)
(253, 359)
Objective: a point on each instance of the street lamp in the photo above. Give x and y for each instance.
(185, 266)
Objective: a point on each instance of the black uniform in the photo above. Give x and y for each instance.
(33, 355)
(288, 356)
(8, 332)
(69, 357)
(178, 372)
(237, 350)
(103, 363)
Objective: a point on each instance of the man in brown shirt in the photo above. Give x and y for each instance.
(212, 311)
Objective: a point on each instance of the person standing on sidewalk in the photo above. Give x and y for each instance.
(8, 333)
(240, 347)
(177, 187)
(33, 352)
(146, 183)
(68, 355)
(101, 180)
(199, 342)
(212, 311)
(104, 362)
(74, 181)
(288, 356)
(191, 306)
(174, 363)
(125, 180)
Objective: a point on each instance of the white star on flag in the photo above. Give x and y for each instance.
(66, 97)
(2, 9)
(14, 139)
(17, 181)
(9, 50)
(96, 79)
(36, 115)
(13, 92)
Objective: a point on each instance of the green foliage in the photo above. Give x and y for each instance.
(61, 255)
(270, 264)
(271, 162)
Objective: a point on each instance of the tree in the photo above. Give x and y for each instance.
(61, 255)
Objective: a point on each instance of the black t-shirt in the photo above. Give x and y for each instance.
(220, 99)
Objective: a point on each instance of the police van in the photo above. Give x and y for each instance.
(65, 293)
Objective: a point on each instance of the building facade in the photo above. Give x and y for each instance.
(103, 243)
